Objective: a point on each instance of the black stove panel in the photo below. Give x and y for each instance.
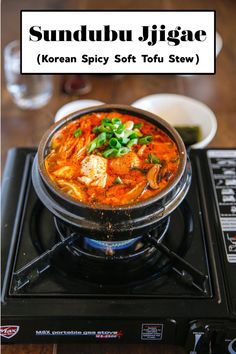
(222, 173)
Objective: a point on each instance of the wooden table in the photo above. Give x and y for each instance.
(25, 128)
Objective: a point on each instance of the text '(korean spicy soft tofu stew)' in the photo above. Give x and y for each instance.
(111, 158)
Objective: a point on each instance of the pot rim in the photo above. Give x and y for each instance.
(120, 108)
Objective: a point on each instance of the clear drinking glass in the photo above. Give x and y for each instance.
(27, 91)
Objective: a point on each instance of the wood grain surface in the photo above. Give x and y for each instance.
(25, 128)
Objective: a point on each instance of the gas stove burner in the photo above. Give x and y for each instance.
(129, 263)
(144, 262)
(112, 264)
(112, 248)
(109, 246)
(109, 250)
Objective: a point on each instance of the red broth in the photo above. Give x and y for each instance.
(86, 164)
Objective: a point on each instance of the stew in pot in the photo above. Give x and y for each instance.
(111, 158)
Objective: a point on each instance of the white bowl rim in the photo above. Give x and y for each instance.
(212, 118)
(58, 116)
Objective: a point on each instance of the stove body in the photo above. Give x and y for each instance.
(84, 294)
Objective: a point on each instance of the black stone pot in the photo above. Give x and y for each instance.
(106, 222)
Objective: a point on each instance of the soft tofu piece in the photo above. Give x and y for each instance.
(94, 171)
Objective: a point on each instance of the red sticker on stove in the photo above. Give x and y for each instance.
(9, 331)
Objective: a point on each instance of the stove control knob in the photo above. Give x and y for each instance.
(199, 339)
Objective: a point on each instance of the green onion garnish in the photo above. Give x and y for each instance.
(101, 139)
(133, 135)
(77, 132)
(116, 139)
(132, 142)
(142, 170)
(118, 180)
(138, 125)
(97, 142)
(145, 140)
(107, 126)
(91, 146)
(128, 133)
(153, 159)
(114, 143)
(116, 121)
(106, 120)
(96, 130)
(120, 129)
(123, 141)
(109, 153)
(138, 133)
(122, 151)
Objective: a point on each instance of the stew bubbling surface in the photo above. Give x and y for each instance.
(111, 158)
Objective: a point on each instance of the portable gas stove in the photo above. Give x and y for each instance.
(176, 285)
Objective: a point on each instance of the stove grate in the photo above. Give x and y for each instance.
(148, 244)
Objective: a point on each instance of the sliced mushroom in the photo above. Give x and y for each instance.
(162, 173)
(153, 176)
(134, 193)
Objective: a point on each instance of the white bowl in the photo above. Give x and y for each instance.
(74, 106)
(182, 110)
(219, 43)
